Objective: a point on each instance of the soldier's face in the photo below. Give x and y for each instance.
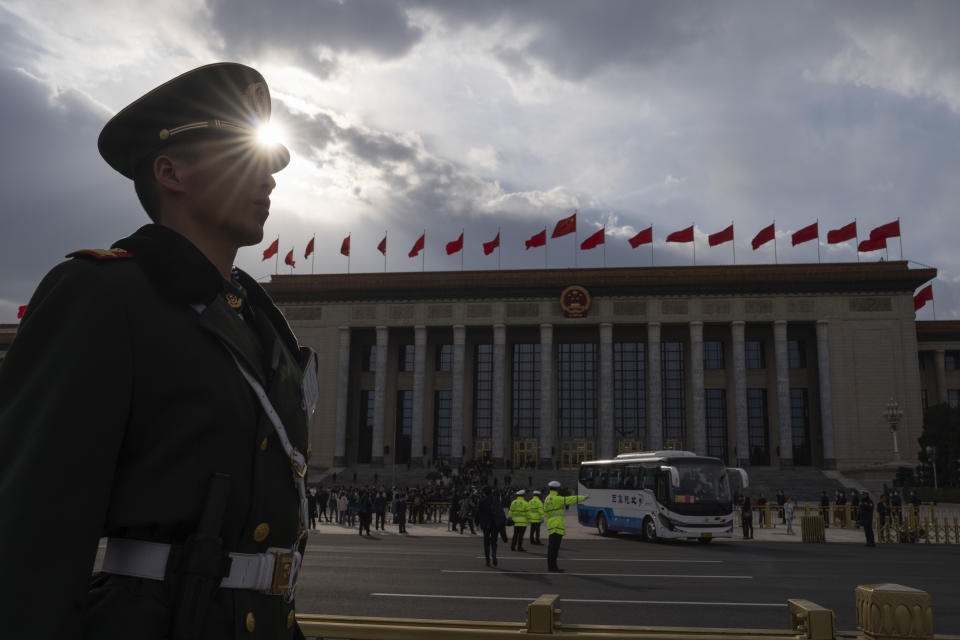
(227, 190)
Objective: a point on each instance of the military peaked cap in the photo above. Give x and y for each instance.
(225, 100)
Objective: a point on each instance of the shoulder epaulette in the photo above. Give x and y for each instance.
(101, 254)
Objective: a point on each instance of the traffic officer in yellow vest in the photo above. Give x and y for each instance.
(553, 508)
(518, 512)
(535, 517)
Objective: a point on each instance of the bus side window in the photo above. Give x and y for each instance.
(649, 480)
(663, 488)
(586, 476)
(631, 479)
(613, 479)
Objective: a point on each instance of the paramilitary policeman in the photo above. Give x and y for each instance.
(553, 508)
(518, 513)
(164, 388)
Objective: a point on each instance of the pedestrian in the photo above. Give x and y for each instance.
(553, 508)
(883, 511)
(400, 512)
(866, 518)
(468, 507)
(781, 500)
(788, 514)
(855, 507)
(455, 512)
(141, 373)
(535, 517)
(825, 508)
(312, 507)
(333, 513)
(322, 496)
(518, 512)
(364, 511)
(762, 509)
(489, 517)
(380, 510)
(746, 518)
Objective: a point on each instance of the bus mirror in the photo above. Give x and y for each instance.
(744, 480)
(674, 475)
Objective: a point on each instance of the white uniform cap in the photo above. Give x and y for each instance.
(536, 493)
(521, 492)
(554, 484)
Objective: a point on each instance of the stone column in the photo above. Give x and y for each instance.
(419, 388)
(607, 436)
(343, 386)
(740, 392)
(654, 389)
(547, 426)
(826, 400)
(499, 380)
(456, 421)
(696, 383)
(380, 397)
(940, 369)
(783, 392)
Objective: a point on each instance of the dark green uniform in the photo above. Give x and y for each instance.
(118, 402)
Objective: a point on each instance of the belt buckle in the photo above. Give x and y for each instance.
(282, 568)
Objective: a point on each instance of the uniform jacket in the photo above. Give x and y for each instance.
(553, 508)
(118, 389)
(518, 511)
(535, 509)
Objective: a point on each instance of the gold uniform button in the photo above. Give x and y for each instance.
(290, 619)
(261, 532)
(251, 622)
(263, 445)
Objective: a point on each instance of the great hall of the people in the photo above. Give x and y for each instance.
(760, 365)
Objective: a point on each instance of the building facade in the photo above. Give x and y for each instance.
(759, 365)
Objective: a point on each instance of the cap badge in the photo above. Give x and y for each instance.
(257, 99)
(234, 301)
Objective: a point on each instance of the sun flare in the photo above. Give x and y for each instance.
(269, 133)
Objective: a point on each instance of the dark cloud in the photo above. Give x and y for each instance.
(302, 29)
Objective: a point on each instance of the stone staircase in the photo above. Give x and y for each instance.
(401, 476)
(804, 484)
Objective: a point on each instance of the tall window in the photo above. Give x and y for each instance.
(629, 399)
(407, 355)
(951, 360)
(716, 422)
(365, 440)
(924, 403)
(442, 422)
(800, 421)
(953, 398)
(713, 354)
(577, 390)
(674, 405)
(368, 357)
(445, 357)
(526, 390)
(404, 427)
(758, 435)
(753, 352)
(483, 391)
(796, 354)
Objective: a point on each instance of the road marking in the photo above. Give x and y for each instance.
(540, 559)
(596, 575)
(583, 600)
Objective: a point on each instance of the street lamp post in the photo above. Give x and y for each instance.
(893, 415)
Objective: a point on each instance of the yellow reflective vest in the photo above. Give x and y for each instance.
(518, 511)
(553, 510)
(535, 509)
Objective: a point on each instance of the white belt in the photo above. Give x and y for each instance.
(268, 572)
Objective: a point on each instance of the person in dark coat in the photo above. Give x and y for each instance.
(746, 518)
(364, 511)
(380, 511)
(491, 520)
(400, 512)
(866, 518)
(825, 508)
(141, 373)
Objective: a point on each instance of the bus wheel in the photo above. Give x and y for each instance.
(602, 526)
(649, 529)
(705, 540)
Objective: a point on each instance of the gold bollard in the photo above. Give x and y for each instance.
(543, 614)
(894, 612)
(811, 621)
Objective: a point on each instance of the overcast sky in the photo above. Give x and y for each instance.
(450, 115)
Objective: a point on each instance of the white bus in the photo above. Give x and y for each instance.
(658, 494)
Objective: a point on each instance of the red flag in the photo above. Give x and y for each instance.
(844, 233)
(806, 234)
(417, 246)
(684, 235)
(721, 236)
(456, 245)
(870, 244)
(488, 247)
(289, 259)
(565, 226)
(22, 310)
(644, 237)
(889, 230)
(306, 254)
(766, 235)
(382, 247)
(593, 241)
(922, 297)
(537, 240)
(345, 246)
(272, 249)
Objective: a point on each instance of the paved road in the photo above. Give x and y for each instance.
(621, 580)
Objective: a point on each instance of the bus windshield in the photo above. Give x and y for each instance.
(702, 482)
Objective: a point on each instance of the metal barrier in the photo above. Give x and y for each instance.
(812, 530)
(883, 612)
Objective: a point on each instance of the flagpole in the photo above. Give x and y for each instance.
(693, 226)
(348, 253)
(313, 254)
(461, 248)
(423, 256)
(775, 260)
(576, 238)
(932, 300)
(604, 245)
(856, 247)
(546, 249)
(734, 243)
(818, 240)
(276, 261)
(900, 238)
(385, 252)
(652, 262)
(499, 242)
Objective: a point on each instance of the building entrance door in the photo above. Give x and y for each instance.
(482, 448)
(629, 445)
(525, 453)
(575, 451)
